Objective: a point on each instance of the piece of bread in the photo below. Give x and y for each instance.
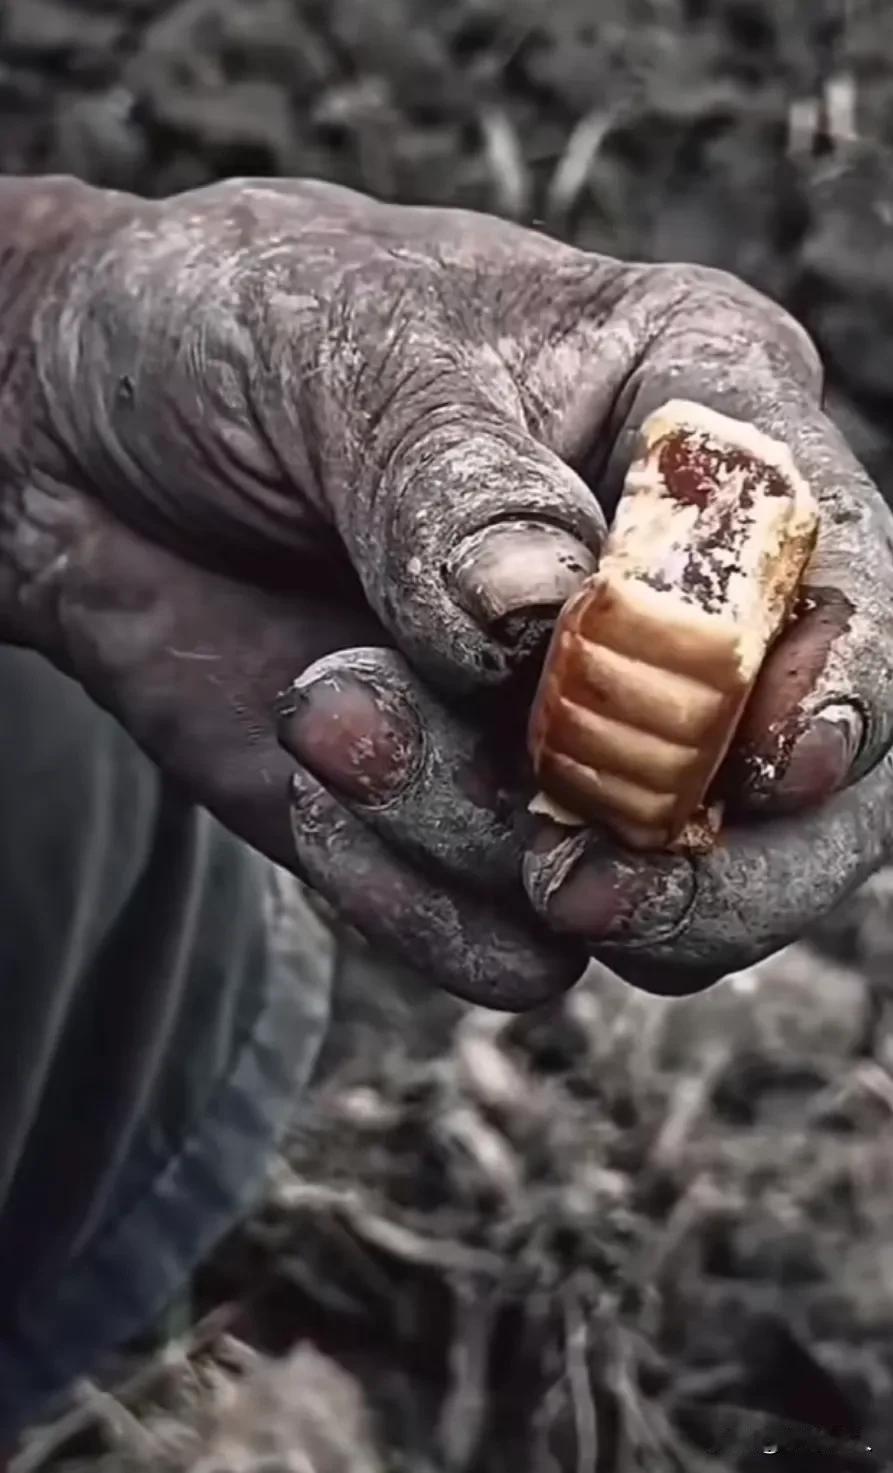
(653, 659)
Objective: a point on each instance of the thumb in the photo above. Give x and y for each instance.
(468, 536)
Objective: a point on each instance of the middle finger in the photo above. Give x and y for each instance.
(678, 923)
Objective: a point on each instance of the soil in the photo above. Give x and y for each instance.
(626, 1234)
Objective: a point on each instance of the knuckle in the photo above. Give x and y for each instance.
(727, 310)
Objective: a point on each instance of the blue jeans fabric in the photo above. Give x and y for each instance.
(164, 992)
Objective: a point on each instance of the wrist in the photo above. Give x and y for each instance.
(44, 223)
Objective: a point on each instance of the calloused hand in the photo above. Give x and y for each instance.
(279, 430)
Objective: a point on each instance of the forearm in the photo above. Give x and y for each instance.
(116, 315)
(41, 219)
(44, 224)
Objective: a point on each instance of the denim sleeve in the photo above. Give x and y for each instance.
(163, 994)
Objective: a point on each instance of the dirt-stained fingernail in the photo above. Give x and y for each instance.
(820, 760)
(511, 567)
(587, 889)
(364, 743)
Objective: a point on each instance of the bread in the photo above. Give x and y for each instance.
(653, 659)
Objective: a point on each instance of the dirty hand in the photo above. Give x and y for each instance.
(277, 429)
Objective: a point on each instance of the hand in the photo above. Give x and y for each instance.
(280, 429)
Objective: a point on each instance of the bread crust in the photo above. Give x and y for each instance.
(653, 660)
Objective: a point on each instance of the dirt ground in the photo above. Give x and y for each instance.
(628, 1234)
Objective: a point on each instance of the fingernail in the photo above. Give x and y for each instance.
(821, 759)
(593, 891)
(510, 567)
(363, 743)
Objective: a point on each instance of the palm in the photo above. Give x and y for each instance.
(191, 662)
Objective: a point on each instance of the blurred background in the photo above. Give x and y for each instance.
(625, 1234)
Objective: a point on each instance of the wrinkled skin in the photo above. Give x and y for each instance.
(276, 437)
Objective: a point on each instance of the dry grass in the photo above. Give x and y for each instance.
(576, 1240)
